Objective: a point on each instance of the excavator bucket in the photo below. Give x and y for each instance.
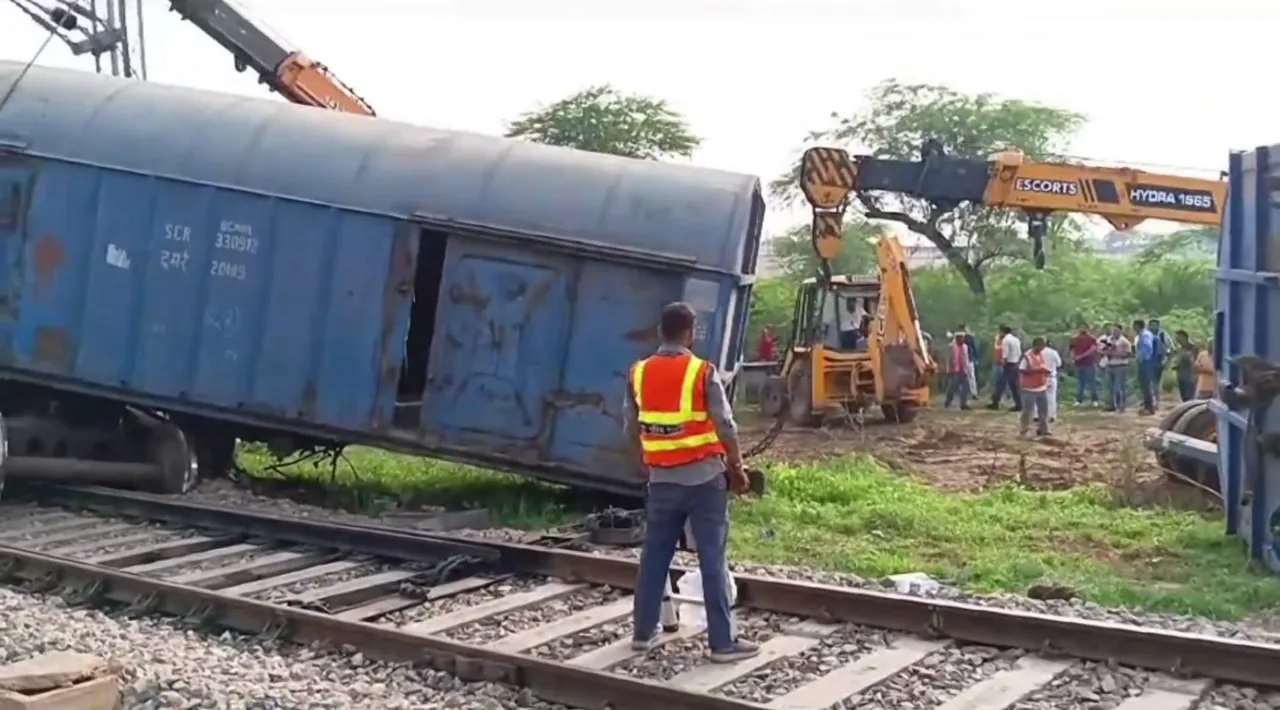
(827, 176)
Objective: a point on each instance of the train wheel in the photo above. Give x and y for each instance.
(1163, 458)
(176, 457)
(1198, 422)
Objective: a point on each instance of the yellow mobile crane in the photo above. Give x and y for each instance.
(1124, 197)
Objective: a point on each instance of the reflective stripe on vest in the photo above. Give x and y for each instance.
(677, 431)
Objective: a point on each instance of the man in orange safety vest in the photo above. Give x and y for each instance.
(1034, 372)
(677, 413)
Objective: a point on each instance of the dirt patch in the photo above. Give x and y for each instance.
(978, 449)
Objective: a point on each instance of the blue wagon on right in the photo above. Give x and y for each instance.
(1231, 443)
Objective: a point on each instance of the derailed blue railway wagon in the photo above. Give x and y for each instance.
(240, 268)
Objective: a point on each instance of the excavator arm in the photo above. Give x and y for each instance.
(897, 344)
(1124, 197)
(282, 68)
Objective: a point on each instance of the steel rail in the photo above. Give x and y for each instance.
(549, 680)
(1180, 653)
(344, 537)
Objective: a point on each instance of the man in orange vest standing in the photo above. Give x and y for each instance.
(1033, 374)
(677, 412)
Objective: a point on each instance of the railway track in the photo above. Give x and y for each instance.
(556, 621)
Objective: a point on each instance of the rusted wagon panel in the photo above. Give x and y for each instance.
(287, 269)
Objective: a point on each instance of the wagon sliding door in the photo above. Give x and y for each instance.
(498, 349)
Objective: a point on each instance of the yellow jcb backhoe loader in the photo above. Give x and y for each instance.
(822, 372)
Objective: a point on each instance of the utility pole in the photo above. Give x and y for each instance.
(113, 28)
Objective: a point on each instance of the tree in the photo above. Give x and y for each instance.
(602, 119)
(1194, 240)
(794, 253)
(895, 123)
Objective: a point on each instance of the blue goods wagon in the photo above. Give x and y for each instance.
(1231, 443)
(182, 269)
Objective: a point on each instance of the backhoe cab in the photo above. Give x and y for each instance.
(830, 368)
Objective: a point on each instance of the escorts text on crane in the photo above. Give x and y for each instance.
(1124, 197)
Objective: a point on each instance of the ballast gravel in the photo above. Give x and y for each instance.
(673, 658)
(214, 563)
(1095, 686)
(440, 607)
(495, 627)
(1230, 697)
(787, 674)
(935, 679)
(292, 589)
(163, 665)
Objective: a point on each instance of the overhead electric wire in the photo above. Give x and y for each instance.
(13, 88)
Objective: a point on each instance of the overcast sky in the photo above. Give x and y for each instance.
(1172, 84)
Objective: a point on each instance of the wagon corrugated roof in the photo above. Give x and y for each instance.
(272, 147)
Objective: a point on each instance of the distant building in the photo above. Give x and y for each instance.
(1127, 244)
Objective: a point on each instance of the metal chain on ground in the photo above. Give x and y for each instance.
(767, 440)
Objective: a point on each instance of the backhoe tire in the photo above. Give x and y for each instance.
(800, 395)
(773, 397)
(900, 413)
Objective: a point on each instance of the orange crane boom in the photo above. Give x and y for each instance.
(284, 69)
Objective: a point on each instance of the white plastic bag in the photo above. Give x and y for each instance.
(690, 586)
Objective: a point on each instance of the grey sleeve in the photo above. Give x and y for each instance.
(630, 411)
(718, 407)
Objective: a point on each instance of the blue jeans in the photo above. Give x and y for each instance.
(1186, 389)
(1118, 387)
(706, 507)
(1086, 378)
(1147, 373)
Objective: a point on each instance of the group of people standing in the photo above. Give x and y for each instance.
(1030, 377)
(1147, 350)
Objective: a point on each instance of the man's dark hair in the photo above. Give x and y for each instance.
(677, 321)
(1038, 341)
(1181, 334)
(1154, 321)
(1139, 324)
(959, 326)
(1005, 330)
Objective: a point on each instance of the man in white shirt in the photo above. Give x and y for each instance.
(851, 323)
(1009, 356)
(1053, 362)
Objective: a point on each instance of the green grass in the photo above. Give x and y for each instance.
(853, 515)
(372, 481)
